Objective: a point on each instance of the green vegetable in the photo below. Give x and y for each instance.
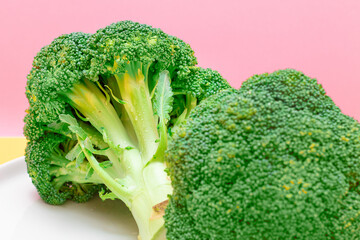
(275, 160)
(101, 109)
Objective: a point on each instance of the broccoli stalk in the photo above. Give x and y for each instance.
(140, 184)
(133, 88)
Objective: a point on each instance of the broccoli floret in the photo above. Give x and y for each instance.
(55, 68)
(56, 178)
(199, 82)
(101, 109)
(264, 163)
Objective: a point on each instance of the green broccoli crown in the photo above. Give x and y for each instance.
(199, 82)
(294, 89)
(114, 46)
(37, 153)
(251, 165)
(191, 86)
(33, 130)
(55, 70)
(53, 175)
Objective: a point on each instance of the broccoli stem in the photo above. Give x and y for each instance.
(133, 86)
(191, 103)
(124, 193)
(157, 182)
(120, 109)
(142, 211)
(141, 196)
(86, 97)
(140, 184)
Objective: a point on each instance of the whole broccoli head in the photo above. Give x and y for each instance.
(266, 162)
(101, 109)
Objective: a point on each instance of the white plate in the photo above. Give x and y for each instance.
(23, 215)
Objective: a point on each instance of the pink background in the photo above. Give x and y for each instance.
(238, 38)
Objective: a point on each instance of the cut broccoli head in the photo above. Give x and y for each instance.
(252, 165)
(101, 109)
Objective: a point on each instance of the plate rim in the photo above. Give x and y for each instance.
(12, 162)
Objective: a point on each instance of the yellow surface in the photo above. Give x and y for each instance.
(11, 148)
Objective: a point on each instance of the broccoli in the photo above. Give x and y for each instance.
(101, 109)
(275, 160)
(298, 91)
